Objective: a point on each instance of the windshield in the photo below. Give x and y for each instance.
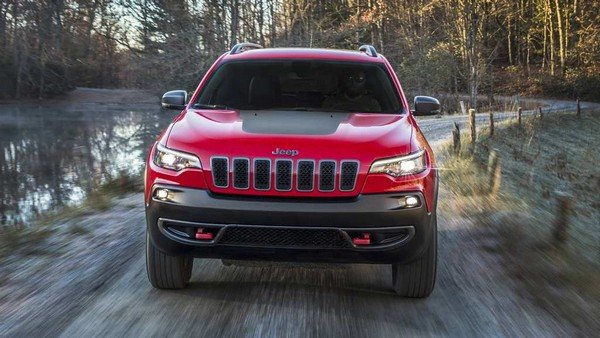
(301, 85)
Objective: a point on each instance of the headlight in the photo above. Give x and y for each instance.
(174, 160)
(400, 166)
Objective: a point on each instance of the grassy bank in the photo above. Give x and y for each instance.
(539, 160)
(29, 239)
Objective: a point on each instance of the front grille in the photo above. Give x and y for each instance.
(306, 175)
(262, 174)
(241, 173)
(283, 237)
(284, 174)
(348, 171)
(220, 171)
(327, 175)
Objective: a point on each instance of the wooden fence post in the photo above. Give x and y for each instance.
(494, 173)
(491, 123)
(578, 108)
(473, 128)
(561, 224)
(456, 139)
(519, 114)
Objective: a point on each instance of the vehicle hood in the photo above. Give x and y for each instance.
(314, 135)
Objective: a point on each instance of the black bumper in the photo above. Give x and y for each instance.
(301, 225)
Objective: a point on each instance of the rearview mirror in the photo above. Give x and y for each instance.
(175, 99)
(426, 105)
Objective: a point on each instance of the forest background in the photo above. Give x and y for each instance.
(479, 48)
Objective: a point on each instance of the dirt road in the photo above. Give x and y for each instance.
(103, 291)
(472, 297)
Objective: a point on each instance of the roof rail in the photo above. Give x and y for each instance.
(369, 50)
(244, 46)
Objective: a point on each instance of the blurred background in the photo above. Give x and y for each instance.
(529, 47)
(80, 82)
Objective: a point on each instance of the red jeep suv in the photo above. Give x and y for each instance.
(295, 155)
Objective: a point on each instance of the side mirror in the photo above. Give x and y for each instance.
(426, 105)
(175, 99)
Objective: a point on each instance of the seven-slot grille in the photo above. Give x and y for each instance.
(324, 175)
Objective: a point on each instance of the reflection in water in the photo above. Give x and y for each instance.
(51, 157)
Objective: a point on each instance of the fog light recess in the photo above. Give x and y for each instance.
(408, 201)
(161, 194)
(411, 201)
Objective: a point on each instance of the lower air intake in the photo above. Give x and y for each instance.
(282, 237)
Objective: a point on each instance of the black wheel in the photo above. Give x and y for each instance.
(417, 278)
(167, 272)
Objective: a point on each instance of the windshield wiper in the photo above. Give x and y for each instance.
(211, 106)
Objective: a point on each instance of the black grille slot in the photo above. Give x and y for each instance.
(267, 236)
(283, 175)
(348, 171)
(241, 173)
(306, 174)
(220, 171)
(262, 174)
(327, 175)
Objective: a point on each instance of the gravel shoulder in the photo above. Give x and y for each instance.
(42, 292)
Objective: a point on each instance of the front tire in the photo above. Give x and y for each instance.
(417, 278)
(167, 272)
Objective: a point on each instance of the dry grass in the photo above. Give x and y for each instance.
(538, 158)
(27, 241)
(451, 103)
(101, 199)
(31, 239)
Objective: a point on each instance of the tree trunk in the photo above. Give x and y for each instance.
(3, 22)
(561, 39)
(58, 9)
(261, 22)
(545, 47)
(90, 26)
(509, 42)
(473, 54)
(19, 52)
(273, 23)
(234, 8)
(551, 31)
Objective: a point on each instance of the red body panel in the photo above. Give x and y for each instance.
(361, 137)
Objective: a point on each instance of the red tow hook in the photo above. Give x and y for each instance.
(364, 240)
(203, 236)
